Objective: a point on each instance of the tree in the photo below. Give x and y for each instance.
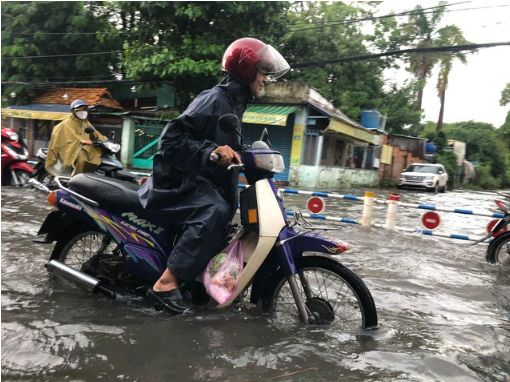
(504, 133)
(422, 31)
(505, 95)
(183, 42)
(324, 31)
(449, 35)
(64, 30)
(419, 32)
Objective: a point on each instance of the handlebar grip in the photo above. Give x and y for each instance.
(215, 157)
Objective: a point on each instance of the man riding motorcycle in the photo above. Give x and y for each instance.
(186, 186)
(70, 149)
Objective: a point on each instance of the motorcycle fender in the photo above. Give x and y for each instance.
(19, 165)
(55, 224)
(257, 246)
(311, 242)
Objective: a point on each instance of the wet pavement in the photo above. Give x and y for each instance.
(444, 312)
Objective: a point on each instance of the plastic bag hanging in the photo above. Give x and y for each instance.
(221, 276)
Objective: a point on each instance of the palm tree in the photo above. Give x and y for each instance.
(422, 31)
(449, 35)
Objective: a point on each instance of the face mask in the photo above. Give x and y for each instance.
(82, 114)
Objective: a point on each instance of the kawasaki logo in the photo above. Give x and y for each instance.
(142, 222)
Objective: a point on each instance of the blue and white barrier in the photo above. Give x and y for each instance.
(393, 204)
(446, 209)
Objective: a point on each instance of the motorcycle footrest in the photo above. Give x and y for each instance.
(42, 240)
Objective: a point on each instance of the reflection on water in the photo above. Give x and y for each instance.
(444, 313)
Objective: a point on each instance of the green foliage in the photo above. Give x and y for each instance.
(183, 42)
(449, 160)
(485, 146)
(484, 178)
(505, 95)
(55, 29)
(422, 31)
(387, 183)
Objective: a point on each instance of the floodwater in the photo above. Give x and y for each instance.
(444, 312)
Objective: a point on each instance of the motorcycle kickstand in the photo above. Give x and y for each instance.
(304, 313)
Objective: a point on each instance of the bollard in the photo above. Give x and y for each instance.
(368, 209)
(391, 213)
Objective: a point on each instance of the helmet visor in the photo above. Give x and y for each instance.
(272, 63)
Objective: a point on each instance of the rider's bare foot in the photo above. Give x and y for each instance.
(167, 282)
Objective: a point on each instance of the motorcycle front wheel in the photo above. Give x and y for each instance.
(499, 249)
(332, 293)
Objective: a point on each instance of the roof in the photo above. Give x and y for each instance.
(37, 111)
(53, 108)
(64, 96)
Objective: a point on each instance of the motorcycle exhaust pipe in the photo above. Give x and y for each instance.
(79, 278)
(38, 186)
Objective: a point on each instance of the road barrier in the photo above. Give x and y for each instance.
(430, 220)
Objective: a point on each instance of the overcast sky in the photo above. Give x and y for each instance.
(474, 89)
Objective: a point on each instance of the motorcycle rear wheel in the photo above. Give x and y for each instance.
(48, 180)
(80, 245)
(498, 250)
(336, 295)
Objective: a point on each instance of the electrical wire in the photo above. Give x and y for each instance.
(453, 48)
(438, 49)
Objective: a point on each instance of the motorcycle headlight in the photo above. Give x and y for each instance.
(113, 147)
(270, 162)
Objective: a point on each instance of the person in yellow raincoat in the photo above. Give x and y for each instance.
(70, 150)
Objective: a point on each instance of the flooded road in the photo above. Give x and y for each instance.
(444, 312)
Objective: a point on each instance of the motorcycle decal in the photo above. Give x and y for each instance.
(136, 257)
(69, 204)
(334, 249)
(119, 231)
(133, 218)
(341, 246)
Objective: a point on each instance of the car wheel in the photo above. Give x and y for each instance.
(434, 189)
(443, 189)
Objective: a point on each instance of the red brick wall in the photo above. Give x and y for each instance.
(400, 159)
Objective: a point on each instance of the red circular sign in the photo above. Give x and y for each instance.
(430, 220)
(491, 226)
(315, 205)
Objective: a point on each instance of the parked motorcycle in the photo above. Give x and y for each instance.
(107, 243)
(15, 169)
(110, 166)
(499, 248)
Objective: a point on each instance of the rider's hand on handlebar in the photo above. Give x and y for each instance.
(87, 142)
(227, 156)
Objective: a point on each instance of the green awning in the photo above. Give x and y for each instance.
(268, 114)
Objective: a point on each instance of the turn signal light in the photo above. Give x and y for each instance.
(52, 198)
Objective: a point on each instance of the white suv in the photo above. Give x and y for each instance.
(433, 177)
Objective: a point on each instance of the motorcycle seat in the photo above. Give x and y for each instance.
(110, 192)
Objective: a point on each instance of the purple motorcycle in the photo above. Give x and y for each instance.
(106, 242)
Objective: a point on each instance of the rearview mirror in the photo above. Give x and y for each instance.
(89, 130)
(228, 123)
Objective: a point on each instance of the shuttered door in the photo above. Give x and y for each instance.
(280, 138)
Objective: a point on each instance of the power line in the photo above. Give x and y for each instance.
(61, 55)
(438, 49)
(42, 84)
(453, 48)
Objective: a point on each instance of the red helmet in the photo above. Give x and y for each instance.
(245, 56)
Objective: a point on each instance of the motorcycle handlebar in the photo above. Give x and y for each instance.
(215, 157)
